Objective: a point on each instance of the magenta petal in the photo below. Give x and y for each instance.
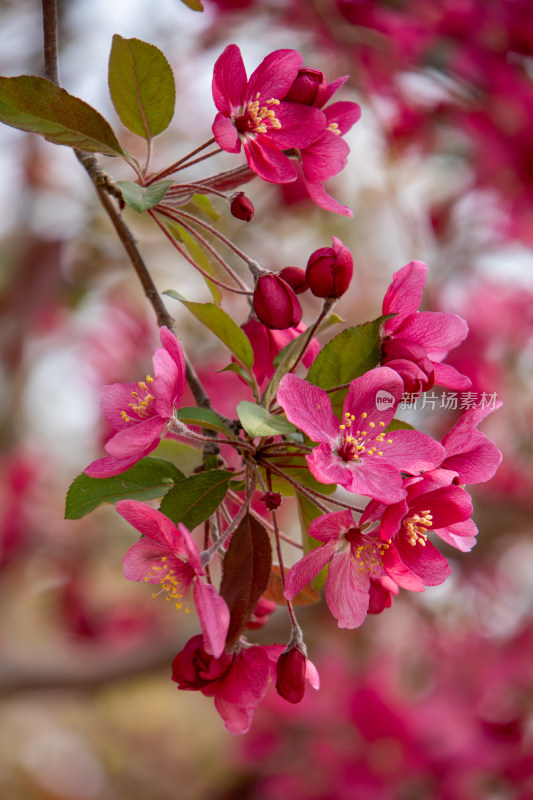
(108, 467)
(229, 79)
(399, 572)
(237, 720)
(300, 125)
(308, 407)
(267, 161)
(226, 134)
(344, 113)
(330, 527)
(142, 437)
(461, 535)
(325, 157)
(303, 572)
(139, 559)
(377, 479)
(411, 451)
(448, 505)
(214, 617)
(274, 76)
(116, 398)
(374, 395)
(347, 591)
(327, 467)
(175, 351)
(392, 519)
(405, 293)
(311, 675)
(319, 196)
(425, 562)
(437, 331)
(165, 383)
(448, 376)
(148, 521)
(245, 684)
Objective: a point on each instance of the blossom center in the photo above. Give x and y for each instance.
(175, 585)
(334, 128)
(142, 401)
(416, 527)
(256, 118)
(366, 553)
(356, 443)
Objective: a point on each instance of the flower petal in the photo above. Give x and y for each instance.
(372, 399)
(448, 376)
(140, 438)
(274, 76)
(229, 79)
(308, 407)
(214, 617)
(116, 398)
(325, 157)
(437, 331)
(411, 451)
(149, 522)
(330, 527)
(246, 682)
(347, 591)
(344, 113)
(267, 161)
(300, 125)
(226, 134)
(109, 466)
(319, 196)
(303, 572)
(404, 294)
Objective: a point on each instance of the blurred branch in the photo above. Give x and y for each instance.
(104, 185)
(85, 671)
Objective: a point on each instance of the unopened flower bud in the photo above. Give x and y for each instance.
(295, 277)
(272, 500)
(290, 671)
(307, 88)
(275, 303)
(241, 206)
(329, 270)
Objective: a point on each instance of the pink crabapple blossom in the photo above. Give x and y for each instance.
(140, 412)
(252, 112)
(469, 453)
(167, 555)
(415, 342)
(358, 453)
(354, 557)
(237, 681)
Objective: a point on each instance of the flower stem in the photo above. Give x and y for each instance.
(207, 555)
(174, 167)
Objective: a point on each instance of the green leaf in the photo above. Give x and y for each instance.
(256, 421)
(399, 425)
(186, 457)
(141, 198)
(204, 418)
(141, 85)
(194, 499)
(246, 572)
(202, 203)
(194, 5)
(222, 325)
(348, 355)
(287, 358)
(149, 478)
(197, 253)
(37, 105)
(296, 467)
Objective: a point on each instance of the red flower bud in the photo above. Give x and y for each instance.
(241, 206)
(295, 277)
(307, 87)
(290, 671)
(275, 303)
(329, 270)
(272, 500)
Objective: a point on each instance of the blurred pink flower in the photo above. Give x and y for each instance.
(253, 113)
(237, 681)
(167, 555)
(358, 454)
(140, 412)
(415, 342)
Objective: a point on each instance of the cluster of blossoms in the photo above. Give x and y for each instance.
(330, 439)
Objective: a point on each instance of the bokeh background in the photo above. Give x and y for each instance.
(433, 698)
